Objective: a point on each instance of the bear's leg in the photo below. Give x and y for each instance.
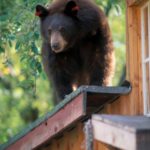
(96, 76)
(102, 66)
(101, 73)
(62, 87)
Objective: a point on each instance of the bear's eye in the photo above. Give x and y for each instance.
(61, 29)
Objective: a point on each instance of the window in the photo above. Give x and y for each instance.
(146, 56)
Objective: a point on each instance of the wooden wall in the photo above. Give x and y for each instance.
(133, 103)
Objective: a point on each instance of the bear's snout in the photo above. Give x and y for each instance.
(57, 42)
(55, 46)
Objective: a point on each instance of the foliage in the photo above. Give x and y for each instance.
(21, 76)
(24, 90)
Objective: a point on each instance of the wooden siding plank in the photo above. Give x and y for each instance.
(123, 132)
(113, 136)
(71, 140)
(134, 58)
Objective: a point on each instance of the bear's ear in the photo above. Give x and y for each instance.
(41, 11)
(71, 9)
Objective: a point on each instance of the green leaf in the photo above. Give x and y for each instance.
(18, 23)
(26, 84)
(17, 45)
(23, 57)
(36, 35)
(32, 63)
(11, 37)
(34, 48)
(39, 67)
(10, 43)
(2, 50)
(43, 75)
(3, 17)
(118, 9)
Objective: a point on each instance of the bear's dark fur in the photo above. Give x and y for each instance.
(85, 53)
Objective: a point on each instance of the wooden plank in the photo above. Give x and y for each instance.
(134, 58)
(113, 136)
(71, 140)
(133, 28)
(98, 97)
(47, 129)
(124, 132)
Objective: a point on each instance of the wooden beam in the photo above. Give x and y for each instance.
(123, 132)
(134, 62)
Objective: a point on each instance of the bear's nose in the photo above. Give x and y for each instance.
(55, 46)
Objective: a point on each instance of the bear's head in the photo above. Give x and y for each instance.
(59, 29)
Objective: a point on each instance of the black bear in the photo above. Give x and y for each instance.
(77, 45)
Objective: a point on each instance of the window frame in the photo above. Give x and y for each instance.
(146, 94)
